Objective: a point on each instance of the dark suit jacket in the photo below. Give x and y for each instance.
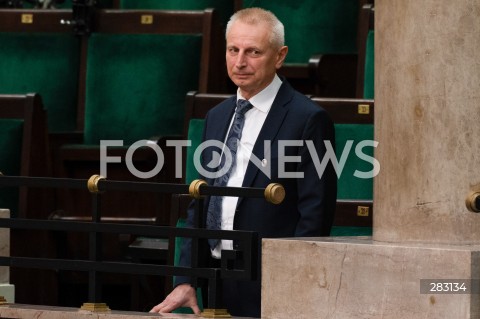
(309, 204)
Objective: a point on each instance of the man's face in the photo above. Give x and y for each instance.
(251, 60)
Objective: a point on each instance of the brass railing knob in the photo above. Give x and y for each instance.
(92, 183)
(274, 193)
(473, 202)
(194, 188)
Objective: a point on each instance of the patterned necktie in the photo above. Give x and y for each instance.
(214, 215)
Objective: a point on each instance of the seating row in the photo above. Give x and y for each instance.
(314, 27)
(66, 58)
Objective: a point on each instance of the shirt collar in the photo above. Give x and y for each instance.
(264, 99)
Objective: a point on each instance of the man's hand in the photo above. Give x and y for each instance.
(183, 295)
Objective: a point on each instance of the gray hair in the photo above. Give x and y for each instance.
(255, 16)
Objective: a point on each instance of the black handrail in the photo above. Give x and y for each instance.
(247, 251)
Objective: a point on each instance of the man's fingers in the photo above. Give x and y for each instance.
(182, 296)
(158, 308)
(195, 309)
(165, 307)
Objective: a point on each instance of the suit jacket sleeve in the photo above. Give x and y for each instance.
(317, 190)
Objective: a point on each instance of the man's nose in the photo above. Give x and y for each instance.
(241, 61)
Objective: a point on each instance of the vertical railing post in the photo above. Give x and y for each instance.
(94, 253)
(95, 250)
(200, 259)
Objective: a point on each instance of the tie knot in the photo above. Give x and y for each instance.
(243, 106)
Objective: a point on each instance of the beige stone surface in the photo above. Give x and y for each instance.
(4, 247)
(427, 120)
(46, 312)
(355, 277)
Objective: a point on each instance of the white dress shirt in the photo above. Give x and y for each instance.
(254, 119)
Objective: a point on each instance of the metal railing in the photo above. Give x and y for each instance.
(246, 255)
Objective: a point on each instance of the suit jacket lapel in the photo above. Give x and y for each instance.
(220, 133)
(269, 131)
(217, 129)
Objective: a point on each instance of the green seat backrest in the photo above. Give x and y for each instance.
(223, 7)
(314, 26)
(350, 186)
(195, 132)
(136, 85)
(46, 64)
(369, 83)
(11, 136)
(350, 231)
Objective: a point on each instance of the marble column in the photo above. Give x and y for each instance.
(427, 120)
(427, 123)
(6, 289)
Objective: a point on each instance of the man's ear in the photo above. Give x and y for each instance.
(281, 55)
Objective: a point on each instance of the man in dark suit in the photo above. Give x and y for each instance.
(298, 132)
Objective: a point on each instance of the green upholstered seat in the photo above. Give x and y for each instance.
(224, 7)
(369, 83)
(136, 85)
(195, 131)
(24, 151)
(313, 26)
(350, 231)
(11, 133)
(350, 186)
(46, 63)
